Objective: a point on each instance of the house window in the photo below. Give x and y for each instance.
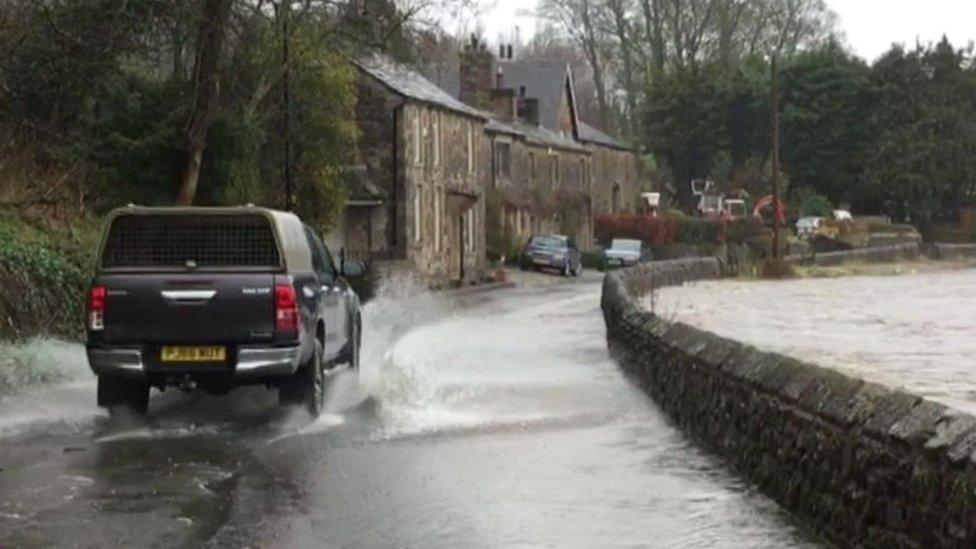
(470, 147)
(503, 160)
(553, 169)
(531, 166)
(437, 218)
(416, 140)
(417, 212)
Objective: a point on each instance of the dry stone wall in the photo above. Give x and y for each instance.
(863, 465)
(879, 254)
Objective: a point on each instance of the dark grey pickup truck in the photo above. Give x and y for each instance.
(214, 298)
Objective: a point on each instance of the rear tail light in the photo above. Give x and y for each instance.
(286, 309)
(96, 308)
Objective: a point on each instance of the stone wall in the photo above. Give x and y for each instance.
(862, 464)
(879, 254)
(952, 252)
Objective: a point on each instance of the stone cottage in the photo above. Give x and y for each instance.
(555, 172)
(428, 156)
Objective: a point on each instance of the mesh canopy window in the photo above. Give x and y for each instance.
(207, 240)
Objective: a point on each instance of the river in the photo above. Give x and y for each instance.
(913, 331)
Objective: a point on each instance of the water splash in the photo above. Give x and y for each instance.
(38, 362)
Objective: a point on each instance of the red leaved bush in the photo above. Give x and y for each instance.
(660, 231)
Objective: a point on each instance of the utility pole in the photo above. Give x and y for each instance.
(776, 198)
(286, 98)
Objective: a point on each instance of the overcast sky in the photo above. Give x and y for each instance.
(869, 26)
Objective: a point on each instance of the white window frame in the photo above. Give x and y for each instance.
(437, 218)
(436, 122)
(418, 225)
(417, 141)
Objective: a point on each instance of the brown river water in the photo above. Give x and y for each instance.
(913, 331)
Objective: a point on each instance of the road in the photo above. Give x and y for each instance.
(912, 331)
(495, 419)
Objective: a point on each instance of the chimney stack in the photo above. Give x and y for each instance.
(504, 103)
(476, 76)
(528, 109)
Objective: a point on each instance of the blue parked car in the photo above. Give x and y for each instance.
(554, 252)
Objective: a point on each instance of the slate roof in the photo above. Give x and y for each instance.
(536, 135)
(544, 80)
(590, 134)
(411, 84)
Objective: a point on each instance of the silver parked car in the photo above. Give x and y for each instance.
(624, 252)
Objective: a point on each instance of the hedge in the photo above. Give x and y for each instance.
(662, 231)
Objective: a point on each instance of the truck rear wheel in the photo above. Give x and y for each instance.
(350, 355)
(123, 394)
(306, 386)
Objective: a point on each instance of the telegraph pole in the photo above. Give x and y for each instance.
(776, 198)
(286, 93)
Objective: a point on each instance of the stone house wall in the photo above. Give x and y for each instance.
(445, 163)
(545, 190)
(615, 169)
(417, 154)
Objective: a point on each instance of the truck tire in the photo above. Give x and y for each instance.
(358, 339)
(306, 386)
(123, 394)
(350, 355)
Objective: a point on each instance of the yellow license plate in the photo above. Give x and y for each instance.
(194, 354)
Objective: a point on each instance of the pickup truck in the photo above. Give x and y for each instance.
(215, 298)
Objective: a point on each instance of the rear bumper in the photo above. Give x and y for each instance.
(544, 261)
(252, 363)
(611, 262)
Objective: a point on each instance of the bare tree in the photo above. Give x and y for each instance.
(213, 25)
(579, 19)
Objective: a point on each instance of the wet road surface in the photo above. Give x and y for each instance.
(913, 331)
(491, 420)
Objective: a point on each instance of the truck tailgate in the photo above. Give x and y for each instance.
(189, 308)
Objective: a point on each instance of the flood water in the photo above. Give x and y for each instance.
(913, 331)
(489, 420)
